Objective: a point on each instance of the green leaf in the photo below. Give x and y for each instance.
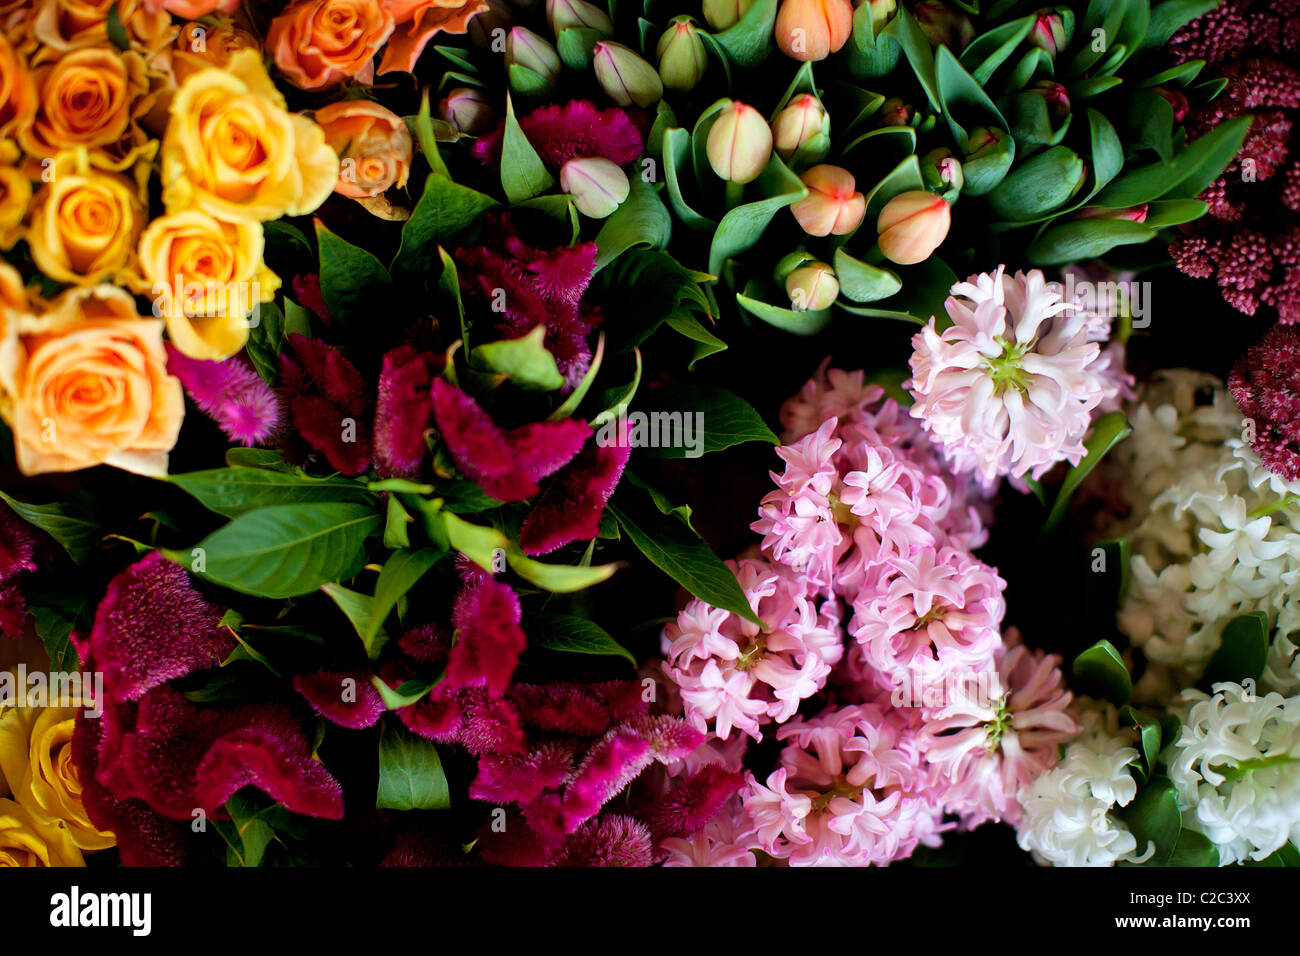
(1154, 818)
(444, 209)
(54, 616)
(523, 174)
(743, 226)
(410, 772)
(796, 322)
(252, 828)
(1242, 651)
(990, 50)
(396, 519)
(360, 610)
(726, 420)
(351, 279)
(916, 48)
(73, 522)
(266, 458)
(1194, 849)
(575, 635)
(616, 400)
(569, 406)
(1038, 185)
(641, 220)
(1173, 212)
(691, 327)
(957, 88)
(575, 45)
(408, 693)
(399, 574)
(232, 491)
(525, 361)
(422, 126)
(1086, 239)
(1099, 672)
(863, 282)
(749, 40)
(1149, 733)
(557, 578)
(1107, 432)
(925, 287)
(677, 148)
(117, 34)
(265, 341)
(285, 550)
(684, 557)
(1167, 17)
(1191, 170)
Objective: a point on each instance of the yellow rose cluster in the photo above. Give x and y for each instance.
(99, 101)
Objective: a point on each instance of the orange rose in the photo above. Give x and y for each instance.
(373, 144)
(84, 223)
(234, 151)
(193, 9)
(89, 386)
(70, 24)
(417, 23)
(17, 96)
(15, 197)
(91, 97)
(320, 43)
(201, 45)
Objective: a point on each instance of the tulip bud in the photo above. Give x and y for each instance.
(894, 112)
(984, 141)
(790, 262)
(1056, 95)
(1175, 99)
(682, 59)
(739, 144)
(833, 205)
(944, 26)
(882, 11)
(1132, 213)
(468, 110)
(812, 287)
(1048, 32)
(563, 14)
(626, 77)
(722, 14)
(525, 48)
(597, 185)
(813, 29)
(498, 16)
(942, 172)
(802, 129)
(912, 225)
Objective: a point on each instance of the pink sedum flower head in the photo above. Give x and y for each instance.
(852, 789)
(732, 674)
(1009, 388)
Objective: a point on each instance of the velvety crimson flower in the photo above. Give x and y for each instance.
(689, 804)
(489, 639)
(571, 503)
(610, 840)
(506, 463)
(576, 130)
(306, 289)
(346, 698)
(584, 710)
(152, 627)
(402, 410)
(1266, 386)
(329, 405)
(468, 716)
(17, 555)
(231, 394)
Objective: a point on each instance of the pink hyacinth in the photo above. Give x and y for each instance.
(986, 746)
(852, 789)
(732, 674)
(1010, 387)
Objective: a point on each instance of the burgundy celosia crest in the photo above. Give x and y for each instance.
(506, 463)
(489, 639)
(691, 803)
(609, 840)
(329, 407)
(402, 410)
(585, 710)
(573, 131)
(306, 289)
(1266, 385)
(468, 716)
(231, 394)
(17, 555)
(347, 698)
(570, 506)
(522, 777)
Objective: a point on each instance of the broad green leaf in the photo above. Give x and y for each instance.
(351, 279)
(1040, 184)
(804, 322)
(408, 693)
(285, 550)
(861, 281)
(1107, 432)
(1242, 651)
(422, 126)
(400, 573)
(523, 174)
(575, 635)
(1154, 818)
(1149, 734)
(575, 45)
(240, 457)
(524, 360)
(743, 226)
(410, 772)
(677, 149)
(1167, 17)
(557, 578)
(918, 51)
(252, 828)
(1194, 849)
(54, 616)
(641, 220)
(960, 94)
(232, 491)
(569, 406)
(1083, 239)
(726, 420)
(749, 40)
(73, 522)
(691, 327)
(1099, 672)
(990, 50)
(1173, 212)
(360, 610)
(444, 209)
(1191, 170)
(616, 400)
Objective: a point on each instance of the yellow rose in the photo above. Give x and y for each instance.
(36, 757)
(15, 197)
(91, 97)
(17, 97)
(89, 386)
(232, 149)
(202, 45)
(205, 277)
(84, 223)
(26, 842)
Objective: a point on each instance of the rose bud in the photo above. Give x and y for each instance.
(944, 26)
(1056, 95)
(812, 287)
(912, 225)
(1175, 99)
(625, 77)
(882, 11)
(833, 206)
(1048, 32)
(597, 185)
(1132, 213)
(563, 14)
(802, 129)
(722, 14)
(525, 48)
(468, 110)
(942, 172)
(482, 26)
(894, 112)
(682, 58)
(739, 144)
(813, 29)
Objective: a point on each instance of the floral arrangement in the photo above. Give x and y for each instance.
(384, 384)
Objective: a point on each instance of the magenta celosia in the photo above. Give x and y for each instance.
(489, 639)
(231, 394)
(346, 698)
(17, 556)
(402, 410)
(575, 130)
(329, 405)
(571, 503)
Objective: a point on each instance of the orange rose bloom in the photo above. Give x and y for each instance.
(373, 144)
(71, 24)
(88, 385)
(813, 29)
(91, 97)
(193, 9)
(15, 197)
(418, 21)
(320, 43)
(201, 45)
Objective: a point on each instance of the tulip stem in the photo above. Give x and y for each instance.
(735, 193)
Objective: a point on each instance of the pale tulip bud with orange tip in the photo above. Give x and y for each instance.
(681, 53)
(626, 77)
(468, 110)
(597, 185)
(912, 225)
(739, 144)
(802, 130)
(722, 14)
(833, 206)
(813, 29)
(812, 287)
